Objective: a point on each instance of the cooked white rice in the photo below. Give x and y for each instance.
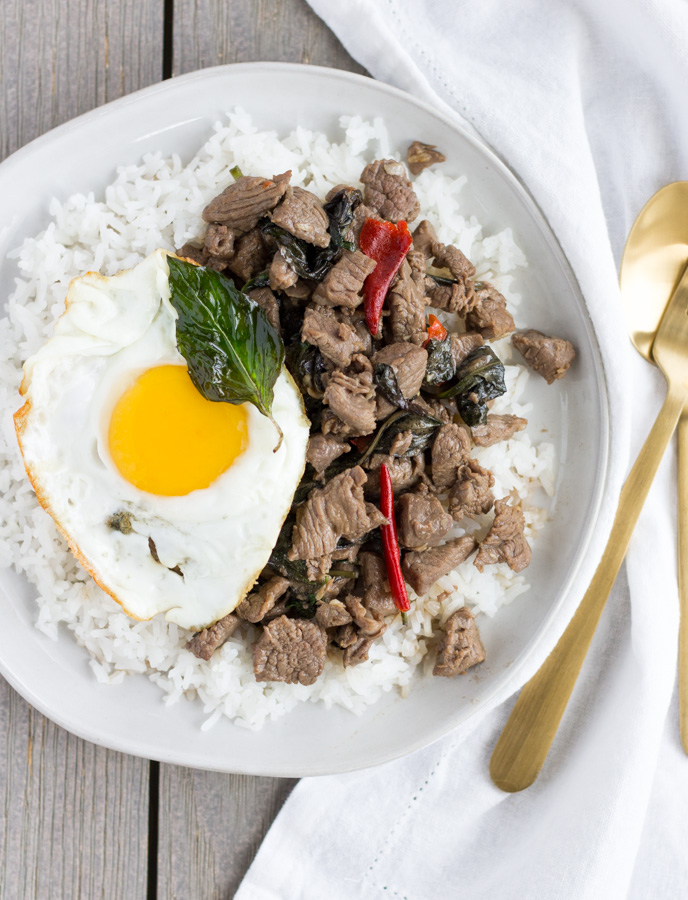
(157, 203)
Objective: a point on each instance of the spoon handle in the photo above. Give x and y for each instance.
(524, 744)
(683, 578)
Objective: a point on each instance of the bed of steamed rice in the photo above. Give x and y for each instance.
(157, 203)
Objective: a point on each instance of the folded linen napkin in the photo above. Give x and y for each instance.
(585, 101)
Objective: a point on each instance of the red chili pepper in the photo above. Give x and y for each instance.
(436, 330)
(388, 245)
(390, 543)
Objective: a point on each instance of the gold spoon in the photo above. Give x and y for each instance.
(654, 259)
(523, 745)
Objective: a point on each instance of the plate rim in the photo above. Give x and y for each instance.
(132, 744)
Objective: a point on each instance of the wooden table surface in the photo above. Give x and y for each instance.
(80, 821)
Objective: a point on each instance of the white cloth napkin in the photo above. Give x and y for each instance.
(586, 102)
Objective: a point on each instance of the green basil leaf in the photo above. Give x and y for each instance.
(386, 381)
(479, 378)
(440, 367)
(233, 353)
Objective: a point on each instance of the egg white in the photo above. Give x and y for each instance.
(112, 330)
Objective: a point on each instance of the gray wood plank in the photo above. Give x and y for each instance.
(210, 828)
(75, 816)
(74, 820)
(213, 32)
(60, 58)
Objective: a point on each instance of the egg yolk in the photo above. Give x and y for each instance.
(166, 438)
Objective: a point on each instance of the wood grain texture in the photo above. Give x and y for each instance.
(213, 32)
(75, 822)
(60, 58)
(210, 828)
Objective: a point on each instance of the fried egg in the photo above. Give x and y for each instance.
(171, 502)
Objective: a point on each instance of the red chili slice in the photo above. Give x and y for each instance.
(388, 245)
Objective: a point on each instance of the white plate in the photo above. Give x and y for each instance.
(176, 116)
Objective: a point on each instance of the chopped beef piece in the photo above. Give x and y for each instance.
(332, 193)
(255, 606)
(301, 289)
(199, 255)
(361, 213)
(424, 238)
(401, 443)
(323, 449)
(443, 410)
(388, 192)
(373, 583)
(419, 156)
(219, 241)
(472, 494)
(406, 300)
(460, 646)
(457, 297)
(267, 300)
(282, 276)
(450, 450)
(368, 625)
(489, 316)
(356, 318)
(447, 256)
(505, 541)
(290, 650)
(463, 344)
(204, 643)
(251, 255)
(405, 472)
(279, 609)
(332, 615)
(244, 202)
(337, 341)
(409, 363)
(301, 213)
(332, 424)
(548, 356)
(496, 429)
(421, 520)
(357, 652)
(346, 636)
(422, 568)
(350, 394)
(336, 510)
(343, 283)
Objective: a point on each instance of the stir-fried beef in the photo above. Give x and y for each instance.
(267, 300)
(301, 213)
(330, 424)
(199, 255)
(463, 344)
(350, 394)
(405, 472)
(301, 289)
(548, 356)
(424, 237)
(419, 156)
(336, 340)
(401, 443)
(409, 363)
(505, 541)
(247, 200)
(368, 625)
(282, 276)
(204, 643)
(388, 192)
(251, 255)
(443, 410)
(356, 318)
(447, 256)
(422, 568)
(332, 614)
(450, 450)
(343, 283)
(219, 241)
(323, 449)
(373, 583)
(457, 297)
(460, 646)
(496, 429)
(336, 510)
(489, 316)
(258, 603)
(421, 519)
(406, 300)
(290, 650)
(472, 494)
(357, 652)
(345, 636)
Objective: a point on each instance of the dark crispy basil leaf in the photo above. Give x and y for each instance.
(422, 426)
(442, 280)
(479, 378)
(307, 366)
(261, 280)
(233, 353)
(340, 210)
(294, 570)
(301, 607)
(386, 380)
(440, 366)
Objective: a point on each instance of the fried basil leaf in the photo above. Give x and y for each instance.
(294, 570)
(233, 353)
(386, 381)
(307, 366)
(478, 379)
(340, 210)
(421, 425)
(301, 607)
(440, 367)
(261, 280)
